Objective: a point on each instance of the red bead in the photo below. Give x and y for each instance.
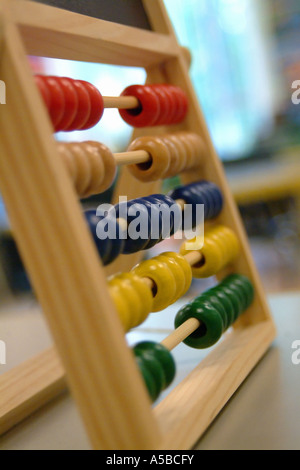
(57, 102)
(40, 83)
(71, 103)
(97, 105)
(84, 106)
(164, 103)
(173, 110)
(183, 104)
(149, 110)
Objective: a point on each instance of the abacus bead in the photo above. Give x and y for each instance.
(108, 248)
(147, 113)
(153, 212)
(101, 182)
(122, 306)
(148, 378)
(189, 148)
(84, 106)
(217, 304)
(69, 161)
(178, 273)
(97, 171)
(201, 192)
(164, 105)
(103, 246)
(159, 161)
(131, 209)
(137, 294)
(97, 105)
(223, 299)
(71, 103)
(220, 247)
(172, 104)
(181, 149)
(154, 366)
(234, 299)
(57, 101)
(183, 105)
(175, 164)
(211, 328)
(170, 222)
(185, 266)
(244, 284)
(163, 279)
(40, 83)
(83, 169)
(163, 355)
(212, 258)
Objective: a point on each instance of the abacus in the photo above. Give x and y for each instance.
(41, 182)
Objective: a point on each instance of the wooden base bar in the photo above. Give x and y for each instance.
(29, 386)
(192, 406)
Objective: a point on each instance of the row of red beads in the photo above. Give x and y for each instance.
(72, 104)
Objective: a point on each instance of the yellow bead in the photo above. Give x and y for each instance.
(121, 305)
(133, 299)
(182, 271)
(220, 247)
(163, 279)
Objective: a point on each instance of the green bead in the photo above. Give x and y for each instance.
(235, 301)
(240, 295)
(245, 285)
(164, 357)
(230, 314)
(214, 300)
(155, 368)
(211, 328)
(148, 379)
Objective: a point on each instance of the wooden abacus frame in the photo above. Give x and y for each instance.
(62, 261)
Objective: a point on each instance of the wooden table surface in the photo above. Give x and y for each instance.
(263, 414)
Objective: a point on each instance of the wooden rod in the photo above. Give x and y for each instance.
(181, 333)
(133, 157)
(121, 102)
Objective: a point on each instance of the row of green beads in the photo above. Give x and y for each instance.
(217, 309)
(156, 365)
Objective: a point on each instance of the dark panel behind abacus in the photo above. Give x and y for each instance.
(129, 12)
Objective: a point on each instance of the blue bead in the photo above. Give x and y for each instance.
(153, 210)
(174, 216)
(131, 210)
(201, 192)
(108, 248)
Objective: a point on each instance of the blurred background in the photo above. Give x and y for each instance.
(245, 58)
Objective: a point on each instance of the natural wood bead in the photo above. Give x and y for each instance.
(68, 159)
(96, 163)
(188, 140)
(83, 168)
(110, 166)
(174, 168)
(198, 147)
(91, 166)
(159, 164)
(182, 152)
